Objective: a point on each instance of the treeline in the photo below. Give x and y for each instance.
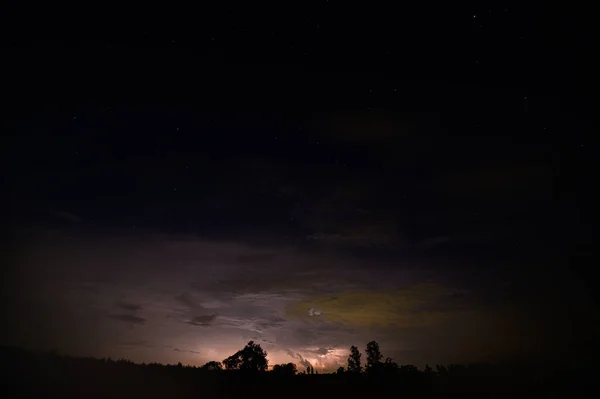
(253, 358)
(246, 373)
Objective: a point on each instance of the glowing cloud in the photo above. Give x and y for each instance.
(417, 305)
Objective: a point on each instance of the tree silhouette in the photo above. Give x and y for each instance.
(288, 369)
(390, 366)
(212, 366)
(408, 369)
(354, 365)
(374, 357)
(120, 378)
(252, 358)
(233, 362)
(340, 370)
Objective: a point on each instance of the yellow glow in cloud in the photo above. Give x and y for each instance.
(409, 307)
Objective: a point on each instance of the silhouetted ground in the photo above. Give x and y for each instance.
(26, 374)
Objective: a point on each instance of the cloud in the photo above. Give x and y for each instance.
(265, 324)
(255, 258)
(319, 351)
(131, 319)
(514, 182)
(204, 320)
(359, 300)
(187, 300)
(344, 216)
(242, 323)
(138, 343)
(67, 215)
(432, 242)
(417, 305)
(374, 127)
(323, 351)
(372, 234)
(260, 282)
(186, 350)
(129, 306)
(305, 363)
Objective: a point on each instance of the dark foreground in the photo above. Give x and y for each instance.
(39, 375)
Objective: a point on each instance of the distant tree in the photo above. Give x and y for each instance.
(429, 373)
(374, 357)
(212, 366)
(390, 366)
(340, 370)
(408, 369)
(252, 358)
(287, 369)
(354, 365)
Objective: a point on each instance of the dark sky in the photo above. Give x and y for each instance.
(308, 178)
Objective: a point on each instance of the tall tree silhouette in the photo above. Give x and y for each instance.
(354, 365)
(374, 357)
(233, 362)
(251, 358)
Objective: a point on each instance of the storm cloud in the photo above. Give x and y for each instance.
(196, 294)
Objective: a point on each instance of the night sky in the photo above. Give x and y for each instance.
(308, 178)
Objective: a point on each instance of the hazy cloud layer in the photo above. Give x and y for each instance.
(205, 320)
(207, 298)
(128, 306)
(127, 318)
